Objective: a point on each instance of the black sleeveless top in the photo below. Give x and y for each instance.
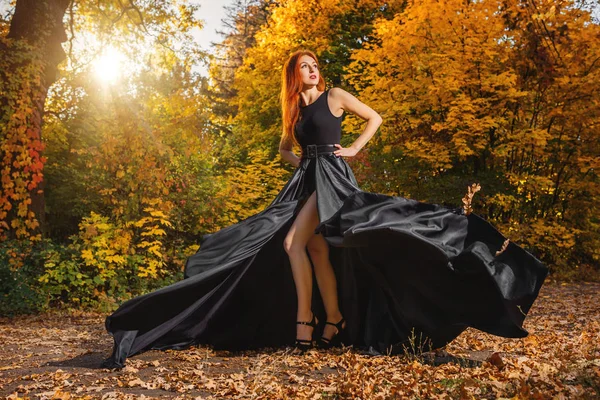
(317, 125)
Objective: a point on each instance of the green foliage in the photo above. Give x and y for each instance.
(21, 264)
(102, 265)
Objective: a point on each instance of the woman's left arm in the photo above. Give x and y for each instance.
(345, 100)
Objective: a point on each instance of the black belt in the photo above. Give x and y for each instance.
(313, 150)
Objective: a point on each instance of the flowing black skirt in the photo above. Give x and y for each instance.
(405, 270)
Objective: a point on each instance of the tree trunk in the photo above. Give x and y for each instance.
(39, 24)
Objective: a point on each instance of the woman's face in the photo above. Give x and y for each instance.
(308, 70)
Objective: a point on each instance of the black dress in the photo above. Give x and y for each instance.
(405, 270)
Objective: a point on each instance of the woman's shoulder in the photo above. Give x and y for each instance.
(337, 92)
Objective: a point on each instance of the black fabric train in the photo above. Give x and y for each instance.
(405, 269)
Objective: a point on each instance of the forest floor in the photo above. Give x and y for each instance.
(57, 355)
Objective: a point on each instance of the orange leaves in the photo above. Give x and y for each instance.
(487, 89)
(23, 207)
(21, 163)
(437, 61)
(496, 360)
(435, 155)
(560, 359)
(36, 179)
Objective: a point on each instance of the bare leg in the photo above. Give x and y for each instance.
(318, 249)
(295, 245)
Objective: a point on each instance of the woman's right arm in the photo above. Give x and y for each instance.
(285, 149)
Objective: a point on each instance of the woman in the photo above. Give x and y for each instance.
(392, 272)
(321, 125)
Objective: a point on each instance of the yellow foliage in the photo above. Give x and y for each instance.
(491, 88)
(252, 187)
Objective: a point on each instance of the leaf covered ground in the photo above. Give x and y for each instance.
(56, 355)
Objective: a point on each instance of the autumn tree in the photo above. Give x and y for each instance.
(500, 92)
(29, 55)
(129, 168)
(316, 25)
(330, 28)
(243, 19)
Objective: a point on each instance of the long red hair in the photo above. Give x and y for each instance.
(291, 86)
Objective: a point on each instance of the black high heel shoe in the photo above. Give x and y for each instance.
(305, 344)
(324, 343)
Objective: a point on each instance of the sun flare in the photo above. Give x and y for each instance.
(108, 67)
